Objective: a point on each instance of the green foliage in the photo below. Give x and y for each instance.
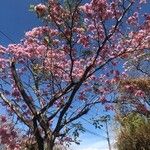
(31, 8)
(98, 122)
(134, 133)
(78, 129)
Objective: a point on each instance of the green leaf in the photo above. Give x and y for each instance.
(31, 8)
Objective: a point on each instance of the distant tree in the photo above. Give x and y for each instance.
(134, 132)
(139, 64)
(51, 78)
(133, 108)
(134, 96)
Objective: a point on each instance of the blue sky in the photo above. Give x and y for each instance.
(15, 21)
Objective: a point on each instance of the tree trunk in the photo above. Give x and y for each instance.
(46, 143)
(41, 145)
(49, 144)
(38, 137)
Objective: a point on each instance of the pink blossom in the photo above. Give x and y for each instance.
(133, 20)
(130, 88)
(84, 40)
(143, 1)
(40, 9)
(139, 93)
(109, 107)
(103, 100)
(3, 119)
(87, 8)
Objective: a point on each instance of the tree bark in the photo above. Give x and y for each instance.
(49, 144)
(38, 137)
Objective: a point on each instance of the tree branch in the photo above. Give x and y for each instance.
(16, 110)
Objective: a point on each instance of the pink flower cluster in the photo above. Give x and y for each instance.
(134, 90)
(41, 9)
(133, 20)
(8, 135)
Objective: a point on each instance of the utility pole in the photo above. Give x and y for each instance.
(105, 120)
(107, 132)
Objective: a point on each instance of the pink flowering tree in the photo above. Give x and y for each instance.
(9, 135)
(138, 64)
(134, 95)
(60, 70)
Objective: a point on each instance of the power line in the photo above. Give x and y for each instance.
(93, 133)
(10, 39)
(83, 118)
(91, 123)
